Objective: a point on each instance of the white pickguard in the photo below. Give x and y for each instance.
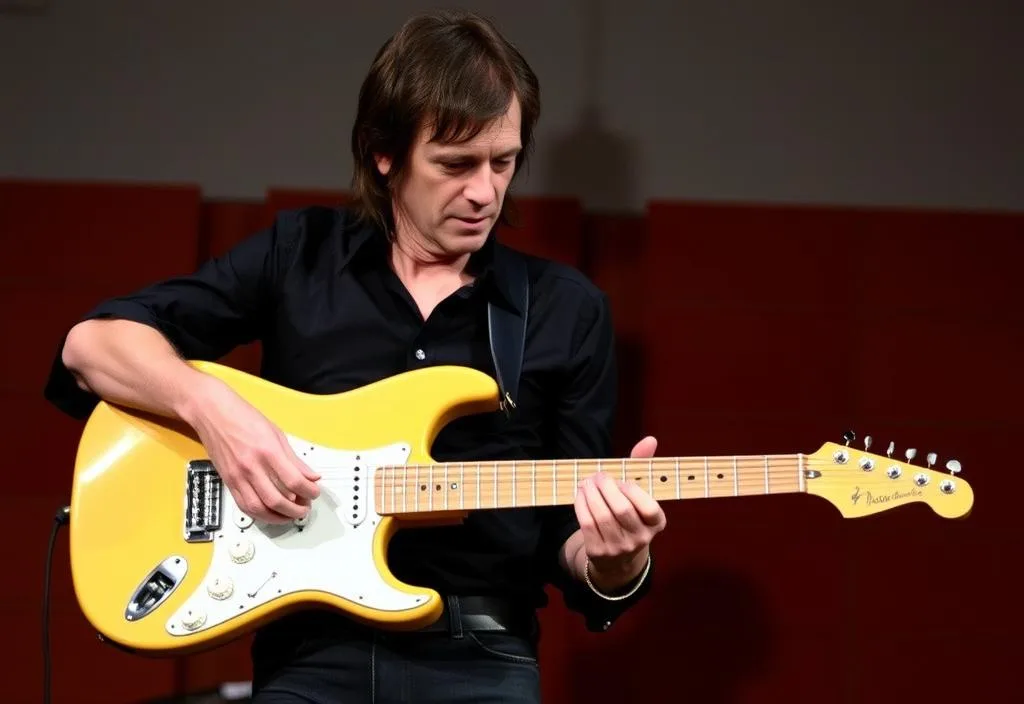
(331, 550)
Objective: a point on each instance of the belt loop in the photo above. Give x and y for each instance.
(454, 616)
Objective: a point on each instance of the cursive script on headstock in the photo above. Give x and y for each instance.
(872, 499)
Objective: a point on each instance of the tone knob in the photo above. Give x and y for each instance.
(220, 588)
(242, 550)
(193, 619)
(241, 520)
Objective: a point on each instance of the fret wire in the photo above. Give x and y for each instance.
(533, 484)
(679, 486)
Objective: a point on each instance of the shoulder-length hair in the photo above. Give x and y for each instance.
(449, 70)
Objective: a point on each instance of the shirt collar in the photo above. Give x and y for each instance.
(490, 265)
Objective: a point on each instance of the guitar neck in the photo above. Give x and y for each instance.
(465, 486)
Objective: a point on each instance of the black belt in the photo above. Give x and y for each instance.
(481, 613)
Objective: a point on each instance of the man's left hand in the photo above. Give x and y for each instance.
(618, 520)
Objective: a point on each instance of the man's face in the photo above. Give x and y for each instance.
(452, 194)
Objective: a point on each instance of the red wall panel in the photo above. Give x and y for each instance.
(288, 198)
(773, 329)
(611, 255)
(547, 227)
(96, 232)
(68, 246)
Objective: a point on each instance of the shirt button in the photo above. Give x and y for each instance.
(421, 355)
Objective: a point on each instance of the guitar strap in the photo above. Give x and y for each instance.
(507, 331)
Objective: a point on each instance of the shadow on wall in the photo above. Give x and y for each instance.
(592, 163)
(589, 160)
(717, 639)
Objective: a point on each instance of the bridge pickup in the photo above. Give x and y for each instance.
(203, 503)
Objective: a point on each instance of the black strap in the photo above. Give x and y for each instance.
(507, 331)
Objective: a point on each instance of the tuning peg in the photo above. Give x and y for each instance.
(932, 457)
(892, 448)
(867, 442)
(953, 466)
(911, 453)
(849, 436)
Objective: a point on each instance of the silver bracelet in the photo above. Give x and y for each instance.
(619, 597)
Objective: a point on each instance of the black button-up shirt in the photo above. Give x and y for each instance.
(319, 294)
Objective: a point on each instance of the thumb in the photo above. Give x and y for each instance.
(298, 461)
(645, 448)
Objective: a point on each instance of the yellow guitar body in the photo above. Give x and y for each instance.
(150, 577)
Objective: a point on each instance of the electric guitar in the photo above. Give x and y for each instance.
(164, 562)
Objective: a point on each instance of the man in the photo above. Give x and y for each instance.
(401, 279)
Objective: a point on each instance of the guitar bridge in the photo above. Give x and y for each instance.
(202, 501)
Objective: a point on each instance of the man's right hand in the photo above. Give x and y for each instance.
(252, 456)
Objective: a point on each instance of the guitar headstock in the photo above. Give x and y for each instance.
(861, 483)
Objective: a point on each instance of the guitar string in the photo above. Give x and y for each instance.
(544, 469)
(604, 465)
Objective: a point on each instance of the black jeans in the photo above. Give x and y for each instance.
(352, 665)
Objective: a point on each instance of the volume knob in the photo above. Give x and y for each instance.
(220, 588)
(242, 550)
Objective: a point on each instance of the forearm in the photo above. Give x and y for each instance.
(131, 364)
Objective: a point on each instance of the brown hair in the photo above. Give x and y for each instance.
(450, 69)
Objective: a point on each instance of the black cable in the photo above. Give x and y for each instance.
(62, 517)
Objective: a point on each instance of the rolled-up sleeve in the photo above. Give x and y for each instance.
(204, 314)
